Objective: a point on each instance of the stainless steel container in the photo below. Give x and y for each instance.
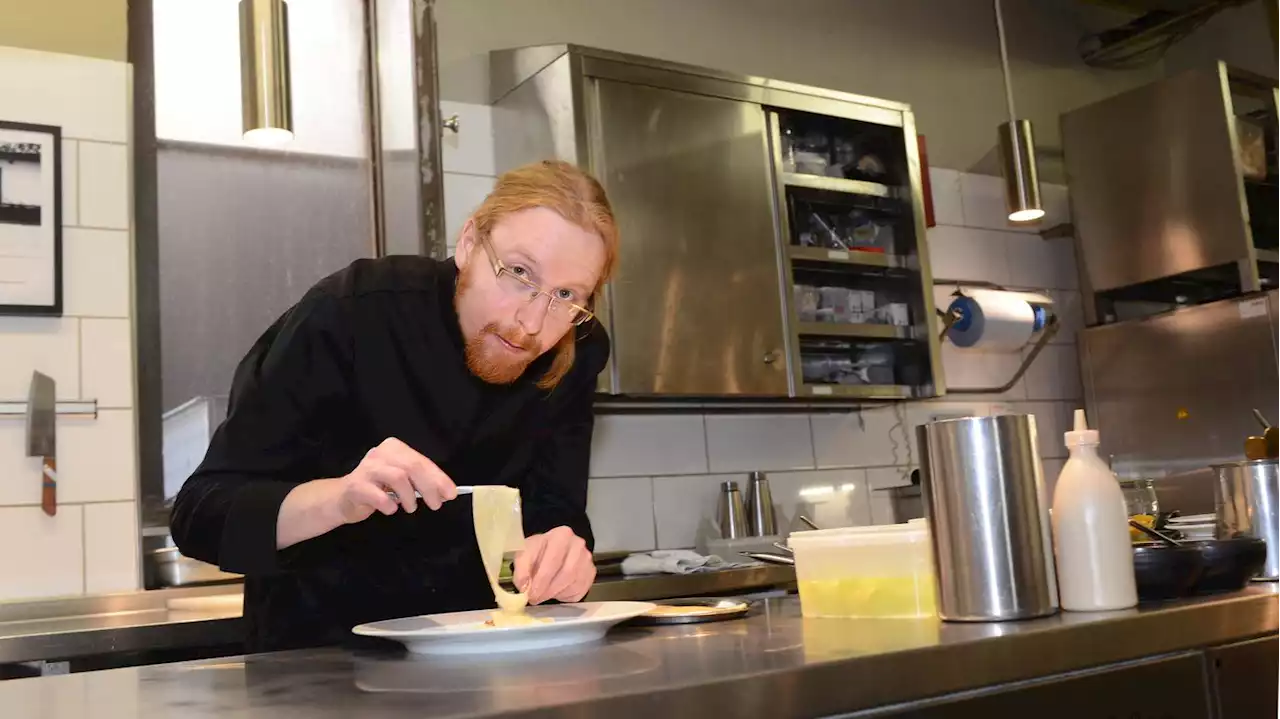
(760, 506)
(985, 499)
(1246, 506)
(731, 514)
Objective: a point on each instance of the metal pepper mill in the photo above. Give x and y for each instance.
(760, 506)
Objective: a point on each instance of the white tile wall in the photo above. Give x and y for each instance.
(742, 443)
(959, 253)
(1055, 374)
(89, 351)
(104, 185)
(948, 209)
(1042, 263)
(470, 149)
(43, 556)
(684, 508)
(96, 275)
(49, 344)
(830, 497)
(621, 512)
(87, 97)
(70, 185)
(111, 554)
(630, 445)
(462, 195)
(860, 439)
(106, 361)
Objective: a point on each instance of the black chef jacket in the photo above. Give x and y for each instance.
(371, 352)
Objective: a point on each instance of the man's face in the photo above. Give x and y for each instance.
(504, 329)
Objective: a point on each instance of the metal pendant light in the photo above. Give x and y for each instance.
(1017, 150)
(264, 72)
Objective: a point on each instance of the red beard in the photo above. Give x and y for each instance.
(495, 365)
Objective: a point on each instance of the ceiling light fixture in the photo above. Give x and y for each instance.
(266, 103)
(1017, 150)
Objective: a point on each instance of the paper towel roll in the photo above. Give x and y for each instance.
(995, 320)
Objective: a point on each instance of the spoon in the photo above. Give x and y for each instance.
(1154, 533)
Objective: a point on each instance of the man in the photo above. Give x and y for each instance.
(403, 375)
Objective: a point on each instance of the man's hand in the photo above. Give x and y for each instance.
(555, 565)
(397, 467)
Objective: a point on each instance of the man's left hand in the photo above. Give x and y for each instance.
(555, 565)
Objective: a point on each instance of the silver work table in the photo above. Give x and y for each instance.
(772, 663)
(173, 620)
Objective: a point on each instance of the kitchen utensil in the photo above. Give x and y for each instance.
(1229, 564)
(760, 511)
(1255, 448)
(466, 633)
(168, 567)
(1247, 493)
(784, 547)
(696, 610)
(809, 522)
(731, 514)
(42, 437)
(770, 558)
(985, 498)
(462, 489)
(1163, 571)
(1154, 533)
(1270, 438)
(880, 571)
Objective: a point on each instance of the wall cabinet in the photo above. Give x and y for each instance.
(773, 241)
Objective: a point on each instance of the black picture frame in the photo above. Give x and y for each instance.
(21, 215)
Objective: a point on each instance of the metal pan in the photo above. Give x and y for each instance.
(693, 611)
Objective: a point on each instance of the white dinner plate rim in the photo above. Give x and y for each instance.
(632, 609)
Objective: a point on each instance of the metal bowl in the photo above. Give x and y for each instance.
(167, 567)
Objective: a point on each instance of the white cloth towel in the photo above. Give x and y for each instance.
(673, 561)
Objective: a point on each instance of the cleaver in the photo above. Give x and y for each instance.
(42, 439)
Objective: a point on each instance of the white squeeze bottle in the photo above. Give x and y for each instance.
(1091, 529)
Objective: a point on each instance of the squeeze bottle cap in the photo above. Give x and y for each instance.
(1081, 435)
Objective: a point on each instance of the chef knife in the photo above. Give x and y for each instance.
(42, 437)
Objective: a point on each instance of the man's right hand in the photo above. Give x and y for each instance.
(396, 467)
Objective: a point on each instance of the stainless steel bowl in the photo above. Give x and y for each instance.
(170, 568)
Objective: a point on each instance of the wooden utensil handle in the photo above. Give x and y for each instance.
(49, 486)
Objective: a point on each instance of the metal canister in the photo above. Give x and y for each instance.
(1246, 506)
(731, 513)
(760, 506)
(986, 502)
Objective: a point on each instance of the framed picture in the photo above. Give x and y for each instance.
(30, 219)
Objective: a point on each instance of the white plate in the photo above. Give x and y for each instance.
(1194, 519)
(465, 632)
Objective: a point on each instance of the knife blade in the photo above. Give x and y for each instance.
(42, 439)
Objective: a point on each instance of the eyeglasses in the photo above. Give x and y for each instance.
(515, 281)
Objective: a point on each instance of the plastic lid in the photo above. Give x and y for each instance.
(1081, 435)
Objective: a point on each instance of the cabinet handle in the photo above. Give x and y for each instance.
(451, 123)
(771, 357)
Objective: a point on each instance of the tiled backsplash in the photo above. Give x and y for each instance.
(655, 477)
(92, 545)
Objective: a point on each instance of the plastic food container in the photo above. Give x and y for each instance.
(866, 572)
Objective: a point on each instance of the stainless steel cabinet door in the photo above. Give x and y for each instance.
(696, 306)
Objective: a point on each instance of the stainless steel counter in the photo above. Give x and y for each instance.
(772, 664)
(168, 619)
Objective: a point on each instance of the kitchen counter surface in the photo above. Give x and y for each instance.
(209, 616)
(772, 663)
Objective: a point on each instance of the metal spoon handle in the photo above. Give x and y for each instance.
(1261, 420)
(809, 522)
(1154, 533)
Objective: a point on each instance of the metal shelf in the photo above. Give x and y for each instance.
(1267, 255)
(839, 329)
(864, 391)
(837, 184)
(846, 257)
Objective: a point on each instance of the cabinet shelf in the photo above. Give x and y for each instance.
(867, 331)
(837, 184)
(864, 391)
(1267, 255)
(846, 257)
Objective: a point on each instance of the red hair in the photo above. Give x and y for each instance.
(578, 198)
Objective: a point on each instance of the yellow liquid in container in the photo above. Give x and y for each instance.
(880, 597)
